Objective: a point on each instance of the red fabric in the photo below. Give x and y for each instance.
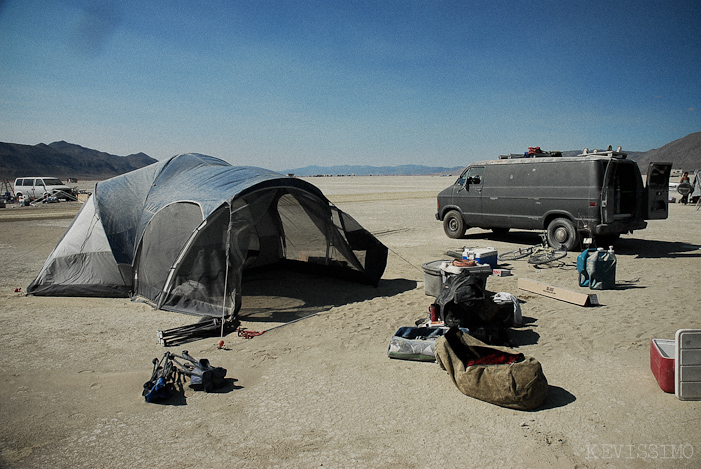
(493, 359)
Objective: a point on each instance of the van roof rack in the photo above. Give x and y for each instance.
(542, 154)
(608, 152)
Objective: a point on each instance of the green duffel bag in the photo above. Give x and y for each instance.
(491, 374)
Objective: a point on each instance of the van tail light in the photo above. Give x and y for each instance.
(592, 204)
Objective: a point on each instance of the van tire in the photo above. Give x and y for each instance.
(454, 225)
(562, 234)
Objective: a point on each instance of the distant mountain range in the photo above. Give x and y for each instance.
(64, 160)
(359, 170)
(684, 154)
(67, 160)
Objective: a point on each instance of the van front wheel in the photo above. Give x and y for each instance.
(454, 225)
(562, 234)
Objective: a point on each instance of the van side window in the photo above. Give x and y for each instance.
(658, 178)
(475, 175)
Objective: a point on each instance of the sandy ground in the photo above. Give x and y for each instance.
(321, 391)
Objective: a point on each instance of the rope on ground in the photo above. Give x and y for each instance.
(246, 334)
(405, 260)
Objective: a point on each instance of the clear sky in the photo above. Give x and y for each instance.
(285, 84)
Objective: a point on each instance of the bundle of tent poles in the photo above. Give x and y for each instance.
(206, 327)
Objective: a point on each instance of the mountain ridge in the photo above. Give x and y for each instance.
(62, 159)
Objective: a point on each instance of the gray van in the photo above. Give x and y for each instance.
(598, 194)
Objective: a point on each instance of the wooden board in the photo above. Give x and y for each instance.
(562, 294)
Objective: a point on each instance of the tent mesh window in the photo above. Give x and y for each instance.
(163, 241)
(199, 280)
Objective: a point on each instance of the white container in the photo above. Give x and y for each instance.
(485, 256)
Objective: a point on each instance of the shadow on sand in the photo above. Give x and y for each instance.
(284, 295)
(519, 336)
(178, 397)
(650, 249)
(557, 397)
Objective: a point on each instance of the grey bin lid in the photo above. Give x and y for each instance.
(433, 267)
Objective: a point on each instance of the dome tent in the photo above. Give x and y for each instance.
(180, 233)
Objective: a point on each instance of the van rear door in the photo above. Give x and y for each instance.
(607, 193)
(657, 191)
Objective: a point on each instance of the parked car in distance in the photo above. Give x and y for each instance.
(598, 194)
(42, 186)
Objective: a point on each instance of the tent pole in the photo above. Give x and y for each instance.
(226, 274)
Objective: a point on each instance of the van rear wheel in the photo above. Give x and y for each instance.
(562, 234)
(453, 224)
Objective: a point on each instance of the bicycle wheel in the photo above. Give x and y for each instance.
(546, 256)
(519, 253)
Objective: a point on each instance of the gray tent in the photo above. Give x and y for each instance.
(167, 232)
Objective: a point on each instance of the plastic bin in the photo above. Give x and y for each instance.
(434, 273)
(433, 277)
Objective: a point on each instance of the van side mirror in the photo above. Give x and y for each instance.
(473, 180)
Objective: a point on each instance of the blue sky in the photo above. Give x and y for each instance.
(291, 83)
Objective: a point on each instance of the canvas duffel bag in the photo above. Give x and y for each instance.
(491, 374)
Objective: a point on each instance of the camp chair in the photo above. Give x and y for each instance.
(161, 385)
(202, 374)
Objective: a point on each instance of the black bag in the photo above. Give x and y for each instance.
(463, 302)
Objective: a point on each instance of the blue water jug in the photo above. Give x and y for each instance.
(601, 267)
(597, 269)
(582, 267)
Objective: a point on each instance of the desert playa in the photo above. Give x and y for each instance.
(317, 388)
